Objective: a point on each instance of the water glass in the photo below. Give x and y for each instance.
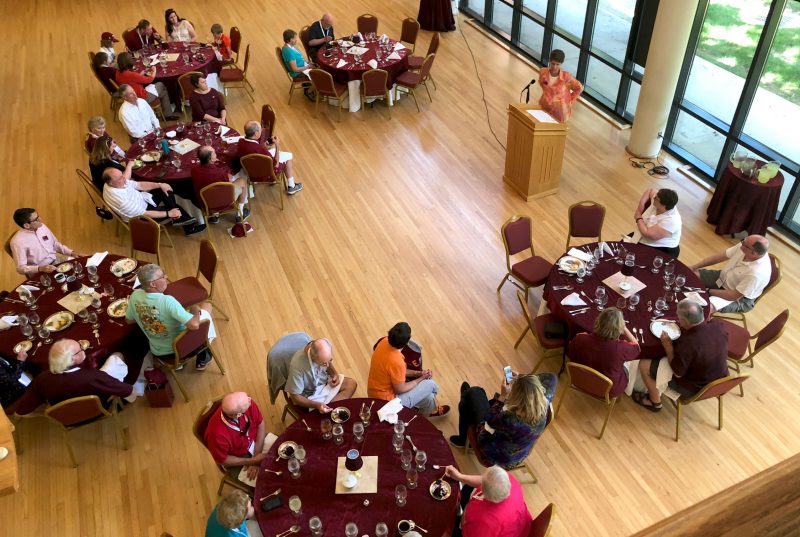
(405, 459)
(397, 442)
(358, 431)
(669, 279)
(23, 320)
(295, 505)
(27, 297)
(177, 162)
(411, 478)
(601, 302)
(621, 253)
(421, 458)
(599, 293)
(622, 303)
(381, 529)
(78, 268)
(400, 495)
(326, 427)
(34, 319)
(364, 414)
(82, 314)
(661, 306)
(27, 331)
(680, 280)
(658, 261)
(44, 333)
(351, 530)
(108, 290)
(338, 432)
(669, 268)
(91, 318)
(158, 132)
(300, 455)
(315, 526)
(633, 301)
(185, 58)
(294, 468)
(590, 265)
(46, 281)
(400, 427)
(669, 297)
(579, 274)
(141, 143)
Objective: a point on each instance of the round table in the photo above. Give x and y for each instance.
(316, 485)
(741, 203)
(114, 334)
(204, 61)
(350, 74)
(640, 318)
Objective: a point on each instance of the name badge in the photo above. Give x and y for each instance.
(251, 450)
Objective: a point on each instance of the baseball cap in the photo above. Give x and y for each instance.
(109, 36)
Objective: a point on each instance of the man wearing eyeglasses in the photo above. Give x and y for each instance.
(34, 247)
(313, 381)
(743, 278)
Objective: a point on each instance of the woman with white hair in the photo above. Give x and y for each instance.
(496, 506)
(233, 516)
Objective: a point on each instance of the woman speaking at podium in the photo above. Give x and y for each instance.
(559, 88)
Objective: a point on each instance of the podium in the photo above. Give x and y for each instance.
(534, 153)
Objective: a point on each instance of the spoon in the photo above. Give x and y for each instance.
(270, 495)
(420, 528)
(408, 437)
(293, 529)
(306, 424)
(407, 423)
(37, 348)
(276, 472)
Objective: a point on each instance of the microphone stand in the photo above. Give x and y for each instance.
(527, 91)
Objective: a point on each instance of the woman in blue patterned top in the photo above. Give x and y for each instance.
(510, 424)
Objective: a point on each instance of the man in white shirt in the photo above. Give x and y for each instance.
(659, 225)
(136, 116)
(130, 199)
(743, 278)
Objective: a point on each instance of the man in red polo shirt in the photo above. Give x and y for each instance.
(140, 83)
(210, 171)
(250, 144)
(236, 432)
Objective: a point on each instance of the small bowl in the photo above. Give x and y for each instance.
(349, 481)
(171, 134)
(624, 286)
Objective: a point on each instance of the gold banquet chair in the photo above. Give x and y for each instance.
(373, 86)
(298, 81)
(235, 78)
(199, 431)
(185, 347)
(591, 382)
(190, 291)
(717, 389)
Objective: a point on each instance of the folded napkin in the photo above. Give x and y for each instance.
(136, 283)
(341, 64)
(605, 248)
(373, 64)
(154, 58)
(223, 130)
(390, 410)
(695, 297)
(231, 139)
(30, 288)
(399, 46)
(307, 72)
(8, 321)
(357, 50)
(573, 299)
(96, 259)
(393, 56)
(383, 38)
(580, 254)
(115, 367)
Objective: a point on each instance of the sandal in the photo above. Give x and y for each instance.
(640, 397)
(440, 411)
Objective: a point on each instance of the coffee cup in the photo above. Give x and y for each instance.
(59, 277)
(404, 526)
(73, 284)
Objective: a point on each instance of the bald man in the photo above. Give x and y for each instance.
(251, 144)
(743, 278)
(235, 433)
(319, 33)
(313, 381)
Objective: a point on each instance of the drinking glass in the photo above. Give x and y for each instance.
(351, 530)
(405, 459)
(34, 319)
(27, 331)
(596, 256)
(300, 455)
(177, 163)
(338, 432)
(82, 314)
(397, 442)
(295, 505)
(358, 431)
(669, 297)
(622, 303)
(669, 279)
(185, 58)
(400, 494)
(94, 279)
(158, 132)
(91, 318)
(669, 268)
(601, 302)
(44, 333)
(181, 126)
(78, 268)
(46, 281)
(381, 529)
(590, 265)
(421, 458)
(657, 262)
(96, 304)
(411, 478)
(400, 427)
(621, 253)
(633, 301)
(294, 468)
(315, 526)
(108, 290)
(599, 293)
(142, 143)
(364, 414)
(579, 274)
(22, 319)
(27, 297)
(326, 427)
(661, 306)
(680, 280)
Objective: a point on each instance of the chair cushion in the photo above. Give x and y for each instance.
(415, 62)
(188, 291)
(532, 271)
(539, 324)
(231, 75)
(737, 339)
(408, 79)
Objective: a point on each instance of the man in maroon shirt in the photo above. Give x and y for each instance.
(699, 356)
(210, 171)
(144, 35)
(250, 144)
(139, 83)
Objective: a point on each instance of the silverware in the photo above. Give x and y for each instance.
(306, 424)
(587, 296)
(649, 305)
(562, 287)
(641, 334)
(413, 447)
(115, 322)
(407, 423)
(270, 495)
(580, 312)
(437, 467)
(370, 406)
(420, 528)
(37, 348)
(293, 529)
(276, 472)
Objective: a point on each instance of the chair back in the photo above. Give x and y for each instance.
(586, 219)
(77, 410)
(91, 57)
(516, 234)
(7, 245)
(427, 63)
(189, 341)
(246, 61)
(218, 197)
(323, 82)
(774, 276)
(540, 526)
(259, 168)
(433, 47)
(207, 264)
(283, 64)
(771, 332)
(409, 31)
(373, 83)
(305, 37)
(367, 23)
(203, 417)
(716, 388)
(236, 40)
(95, 194)
(145, 234)
(589, 381)
(185, 83)
(268, 120)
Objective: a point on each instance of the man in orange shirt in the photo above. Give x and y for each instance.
(389, 378)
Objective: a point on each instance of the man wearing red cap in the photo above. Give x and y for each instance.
(107, 41)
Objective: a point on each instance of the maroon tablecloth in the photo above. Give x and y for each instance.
(640, 318)
(436, 16)
(204, 61)
(351, 71)
(316, 485)
(742, 203)
(114, 336)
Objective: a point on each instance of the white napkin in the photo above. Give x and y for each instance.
(357, 50)
(573, 299)
(96, 259)
(373, 64)
(399, 46)
(718, 302)
(390, 410)
(231, 139)
(8, 321)
(307, 72)
(222, 130)
(580, 254)
(154, 58)
(212, 332)
(115, 367)
(136, 282)
(606, 248)
(393, 56)
(341, 64)
(383, 38)
(695, 297)
(30, 288)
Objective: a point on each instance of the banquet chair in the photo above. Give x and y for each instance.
(268, 120)
(278, 359)
(79, 412)
(373, 86)
(411, 80)
(7, 245)
(91, 57)
(219, 198)
(190, 291)
(739, 339)
(156, 106)
(185, 347)
(305, 37)
(774, 279)
(113, 91)
(129, 36)
(145, 237)
(548, 346)
(95, 195)
(540, 525)
(199, 431)
(327, 89)
(585, 220)
(261, 171)
(415, 62)
(298, 81)
(591, 382)
(236, 45)
(409, 31)
(717, 389)
(532, 271)
(367, 23)
(234, 77)
(185, 84)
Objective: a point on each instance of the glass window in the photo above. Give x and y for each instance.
(531, 36)
(603, 80)
(537, 6)
(698, 139)
(502, 15)
(570, 16)
(570, 51)
(727, 44)
(633, 98)
(478, 6)
(613, 26)
(775, 111)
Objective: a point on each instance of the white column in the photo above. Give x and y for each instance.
(667, 47)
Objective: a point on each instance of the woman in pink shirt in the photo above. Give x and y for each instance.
(559, 88)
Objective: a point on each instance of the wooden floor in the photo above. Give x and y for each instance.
(398, 221)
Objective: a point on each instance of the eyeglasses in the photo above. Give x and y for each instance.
(746, 247)
(37, 219)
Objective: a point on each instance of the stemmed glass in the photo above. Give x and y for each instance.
(590, 265)
(601, 302)
(34, 319)
(381, 529)
(315, 526)
(622, 303)
(358, 431)
(405, 459)
(108, 290)
(141, 143)
(158, 132)
(83, 314)
(294, 468)
(351, 530)
(599, 293)
(27, 297)
(680, 280)
(669, 279)
(295, 505)
(633, 301)
(411, 478)
(27, 330)
(91, 318)
(326, 426)
(400, 494)
(364, 414)
(657, 262)
(176, 161)
(622, 252)
(97, 304)
(46, 281)
(338, 434)
(660, 307)
(93, 277)
(579, 274)
(78, 269)
(397, 442)
(400, 427)
(300, 455)
(44, 333)
(421, 458)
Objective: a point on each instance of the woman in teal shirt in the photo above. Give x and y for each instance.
(229, 517)
(294, 62)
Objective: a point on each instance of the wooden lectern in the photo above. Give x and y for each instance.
(534, 151)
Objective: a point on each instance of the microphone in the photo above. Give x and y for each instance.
(527, 91)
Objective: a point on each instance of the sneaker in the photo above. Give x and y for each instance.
(202, 360)
(294, 189)
(440, 411)
(457, 441)
(191, 230)
(185, 221)
(213, 219)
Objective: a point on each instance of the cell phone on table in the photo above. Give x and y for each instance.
(508, 374)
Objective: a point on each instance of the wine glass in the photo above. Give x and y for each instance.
(158, 132)
(621, 253)
(669, 296)
(661, 306)
(176, 162)
(358, 431)
(657, 262)
(397, 442)
(622, 303)
(580, 273)
(669, 279)
(351, 530)
(633, 301)
(108, 290)
(295, 505)
(400, 427)
(315, 526)
(96, 303)
(91, 318)
(326, 426)
(22, 319)
(680, 280)
(590, 265)
(78, 269)
(596, 256)
(142, 143)
(34, 319)
(601, 302)
(338, 432)
(405, 459)
(83, 314)
(381, 529)
(44, 333)
(46, 281)
(599, 293)
(421, 458)
(294, 468)
(185, 58)
(27, 298)
(364, 414)
(27, 330)
(181, 126)
(300, 455)
(400, 494)
(411, 478)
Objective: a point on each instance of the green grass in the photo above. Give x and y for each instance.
(730, 42)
